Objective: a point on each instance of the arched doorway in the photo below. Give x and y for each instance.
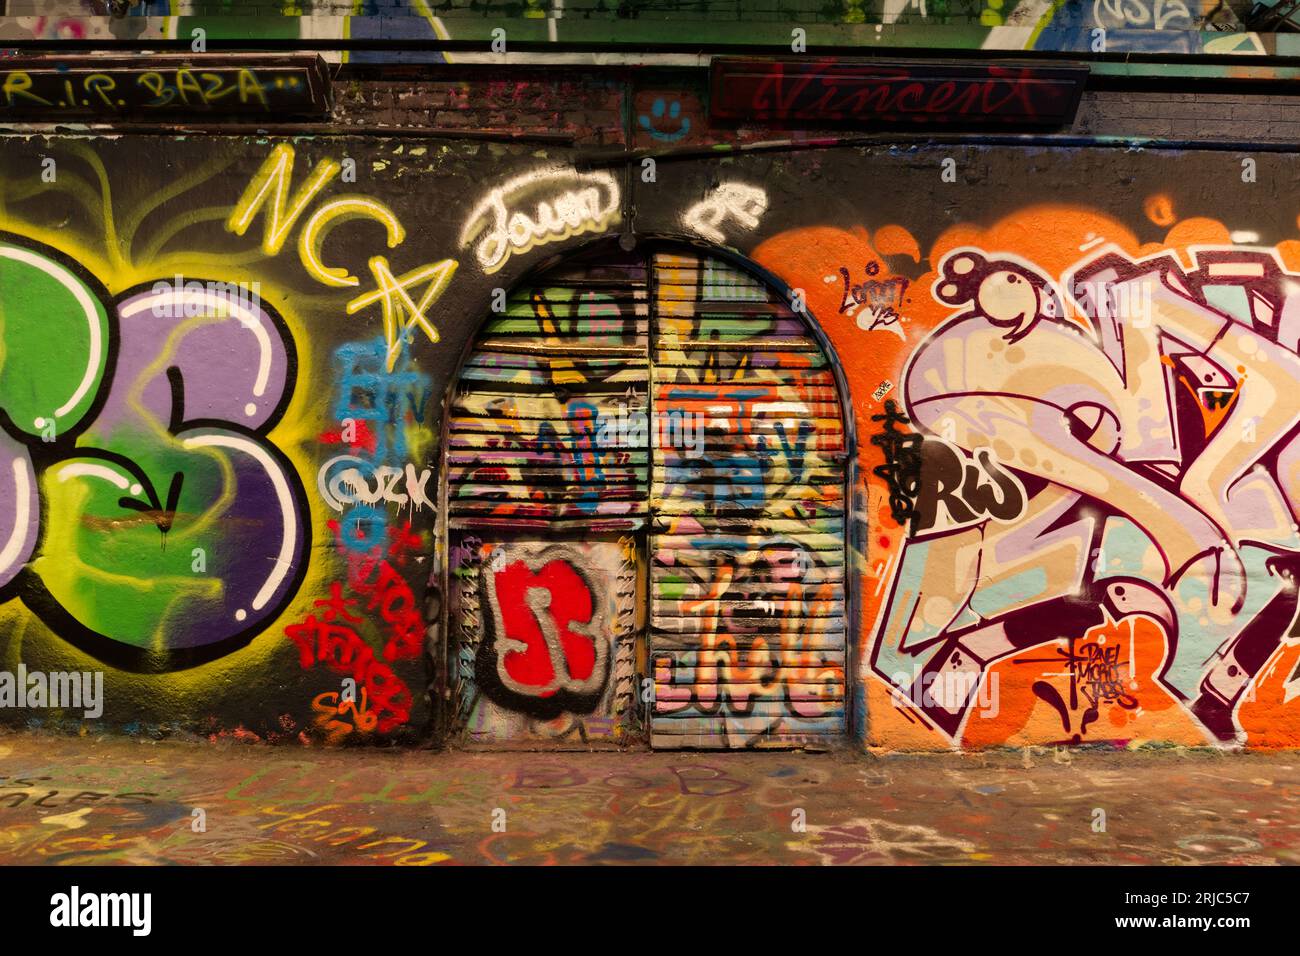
(645, 496)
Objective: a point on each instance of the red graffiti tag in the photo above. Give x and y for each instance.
(375, 578)
(330, 639)
(384, 588)
(546, 641)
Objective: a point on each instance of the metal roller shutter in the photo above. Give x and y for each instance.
(567, 355)
(733, 466)
(544, 505)
(747, 627)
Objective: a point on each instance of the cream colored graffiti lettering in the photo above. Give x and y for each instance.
(1046, 383)
(538, 208)
(736, 203)
(1155, 420)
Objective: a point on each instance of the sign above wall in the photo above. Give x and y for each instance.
(834, 91)
(183, 85)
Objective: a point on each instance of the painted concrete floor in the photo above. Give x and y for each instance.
(81, 800)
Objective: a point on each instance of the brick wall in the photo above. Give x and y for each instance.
(1224, 117)
(586, 106)
(596, 108)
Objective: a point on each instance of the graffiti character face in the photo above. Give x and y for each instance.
(1004, 291)
(1007, 298)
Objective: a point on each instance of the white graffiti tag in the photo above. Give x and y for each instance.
(537, 208)
(347, 480)
(745, 204)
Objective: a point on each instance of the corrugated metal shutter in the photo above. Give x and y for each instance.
(734, 463)
(747, 637)
(568, 354)
(546, 495)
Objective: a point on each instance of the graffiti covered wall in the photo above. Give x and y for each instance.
(1078, 521)
(1148, 26)
(227, 481)
(216, 451)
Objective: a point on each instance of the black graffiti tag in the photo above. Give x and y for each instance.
(970, 488)
(902, 467)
